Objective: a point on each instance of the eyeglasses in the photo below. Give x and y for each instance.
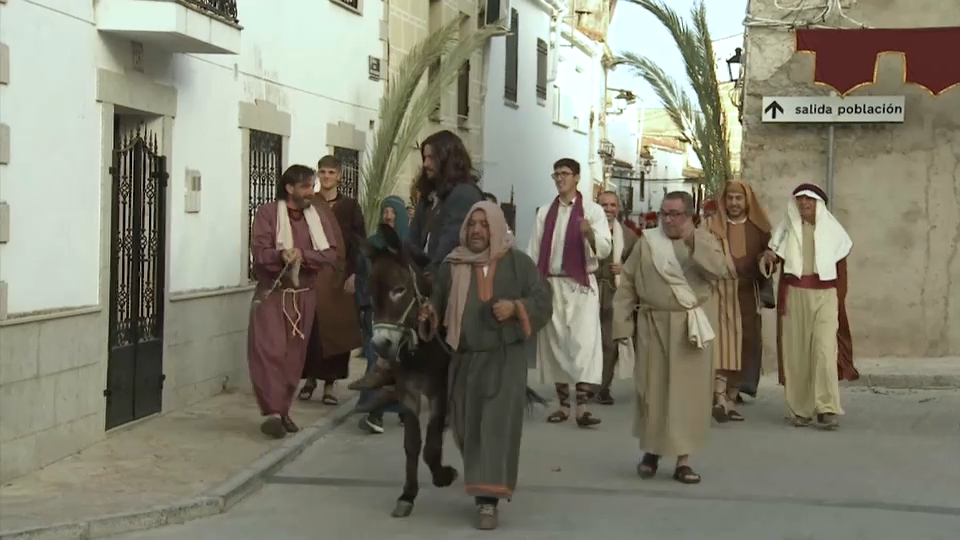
(563, 174)
(671, 215)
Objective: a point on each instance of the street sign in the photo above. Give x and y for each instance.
(833, 110)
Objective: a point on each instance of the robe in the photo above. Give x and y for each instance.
(607, 287)
(281, 318)
(336, 332)
(488, 371)
(673, 379)
(813, 337)
(739, 332)
(569, 350)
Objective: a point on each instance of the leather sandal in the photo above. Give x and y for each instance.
(587, 420)
(647, 468)
(558, 416)
(685, 475)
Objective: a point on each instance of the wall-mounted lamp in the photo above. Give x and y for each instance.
(735, 61)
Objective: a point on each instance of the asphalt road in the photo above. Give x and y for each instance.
(892, 471)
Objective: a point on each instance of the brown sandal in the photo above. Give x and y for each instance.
(558, 416)
(306, 392)
(587, 420)
(734, 416)
(330, 399)
(685, 475)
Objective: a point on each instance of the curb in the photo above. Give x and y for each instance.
(908, 381)
(214, 501)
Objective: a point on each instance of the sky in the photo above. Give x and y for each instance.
(635, 30)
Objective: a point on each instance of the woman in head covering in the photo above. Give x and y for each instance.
(393, 212)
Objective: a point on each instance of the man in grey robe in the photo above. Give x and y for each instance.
(668, 283)
(491, 299)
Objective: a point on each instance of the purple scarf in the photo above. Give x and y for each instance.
(574, 263)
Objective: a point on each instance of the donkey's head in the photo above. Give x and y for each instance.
(397, 289)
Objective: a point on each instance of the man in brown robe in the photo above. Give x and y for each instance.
(743, 229)
(814, 347)
(492, 300)
(338, 322)
(290, 247)
(668, 283)
(608, 278)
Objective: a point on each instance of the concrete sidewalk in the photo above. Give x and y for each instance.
(180, 466)
(200, 461)
(906, 373)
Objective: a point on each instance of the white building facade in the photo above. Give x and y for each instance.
(543, 92)
(136, 138)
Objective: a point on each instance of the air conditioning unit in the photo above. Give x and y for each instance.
(495, 12)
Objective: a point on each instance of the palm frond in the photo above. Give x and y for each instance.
(405, 110)
(704, 124)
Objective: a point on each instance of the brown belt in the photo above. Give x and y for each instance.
(811, 281)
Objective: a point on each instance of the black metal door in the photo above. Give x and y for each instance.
(137, 262)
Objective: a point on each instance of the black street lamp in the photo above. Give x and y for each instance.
(735, 60)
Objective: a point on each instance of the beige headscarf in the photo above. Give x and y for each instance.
(717, 223)
(462, 260)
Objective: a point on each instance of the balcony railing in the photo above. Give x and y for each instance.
(223, 9)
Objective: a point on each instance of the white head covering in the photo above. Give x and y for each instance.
(831, 240)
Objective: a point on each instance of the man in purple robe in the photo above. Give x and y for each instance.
(289, 244)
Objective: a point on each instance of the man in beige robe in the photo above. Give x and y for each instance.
(813, 332)
(668, 281)
(743, 229)
(608, 278)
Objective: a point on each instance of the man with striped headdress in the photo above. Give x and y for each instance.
(813, 333)
(742, 227)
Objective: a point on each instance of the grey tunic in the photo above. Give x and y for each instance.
(488, 373)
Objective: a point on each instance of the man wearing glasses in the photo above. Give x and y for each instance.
(570, 238)
(664, 302)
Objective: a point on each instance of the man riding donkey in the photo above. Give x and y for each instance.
(294, 248)
(447, 190)
(491, 300)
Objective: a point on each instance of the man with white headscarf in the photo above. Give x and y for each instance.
(813, 334)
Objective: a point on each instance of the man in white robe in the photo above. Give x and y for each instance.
(813, 333)
(570, 237)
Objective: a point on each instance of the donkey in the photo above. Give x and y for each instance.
(419, 356)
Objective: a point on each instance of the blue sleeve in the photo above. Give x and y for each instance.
(455, 209)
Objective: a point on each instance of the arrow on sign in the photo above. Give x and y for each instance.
(773, 108)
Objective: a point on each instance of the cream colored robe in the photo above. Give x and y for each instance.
(673, 379)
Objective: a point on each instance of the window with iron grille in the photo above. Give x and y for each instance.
(266, 166)
(355, 4)
(513, 50)
(541, 69)
(463, 92)
(350, 168)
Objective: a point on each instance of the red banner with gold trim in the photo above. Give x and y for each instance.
(847, 59)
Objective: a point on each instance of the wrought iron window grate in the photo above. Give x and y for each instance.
(266, 166)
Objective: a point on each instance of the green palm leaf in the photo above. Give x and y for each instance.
(702, 122)
(405, 111)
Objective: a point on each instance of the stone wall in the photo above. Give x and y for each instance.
(897, 187)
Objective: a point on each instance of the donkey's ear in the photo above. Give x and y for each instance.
(390, 237)
(368, 249)
(419, 258)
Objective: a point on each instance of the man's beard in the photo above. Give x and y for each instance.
(300, 202)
